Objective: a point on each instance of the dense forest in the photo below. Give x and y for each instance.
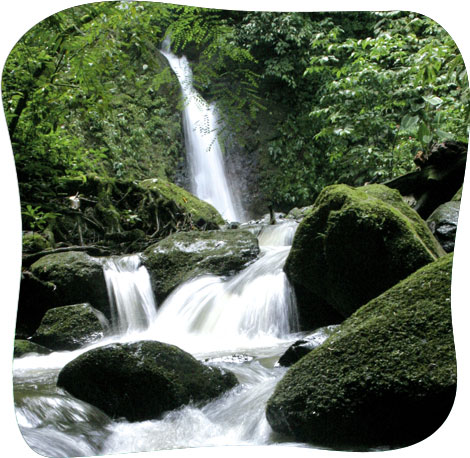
(238, 227)
(311, 98)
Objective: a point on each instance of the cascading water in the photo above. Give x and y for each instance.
(130, 293)
(242, 323)
(204, 154)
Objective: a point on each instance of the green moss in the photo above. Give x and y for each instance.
(140, 381)
(355, 243)
(33, 242)
(23, 347)
(386, 376)
(187, 202)
(185, 255)
(69, 327)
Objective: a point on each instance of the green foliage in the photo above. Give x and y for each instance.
(36, 219)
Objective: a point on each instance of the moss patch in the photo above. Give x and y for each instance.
(69, 327)
(356, 243)
(140, 381)
(24, 347)
(185, 255)
(387, 375)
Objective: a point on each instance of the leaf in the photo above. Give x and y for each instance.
(409, 122)
(433, 100)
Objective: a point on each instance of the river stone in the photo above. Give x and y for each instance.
(386, 377)
(305, 345)
(141, 380)
(443, 224)
(23, 347)
(69, 327)
(185, 255)
(353, 245)
(77, 278)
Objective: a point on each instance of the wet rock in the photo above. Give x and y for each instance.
(386, 377)
(75, 278)
(443, 224)
(70, 327)
(24, 347)
(140, 381)
(353, 245)
(186, 255)
(304, 346)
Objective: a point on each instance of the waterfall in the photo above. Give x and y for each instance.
(130, 294)
(204, 154)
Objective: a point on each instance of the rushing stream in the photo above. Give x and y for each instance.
(242, 323)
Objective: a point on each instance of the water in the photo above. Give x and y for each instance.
(243, 323)
(203, 151)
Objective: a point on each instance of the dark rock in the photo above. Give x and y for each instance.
(304, 346)
(355, 244)
(386, 377)
(140, 381)
(76, 278)
(69, 327)
(185, 255)
(25, 347)
(443, 224)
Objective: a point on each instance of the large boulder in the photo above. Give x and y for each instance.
(353, 245)
(387, 375)
(76, 278)
(70, 327)
(139, 381)
(185, 255)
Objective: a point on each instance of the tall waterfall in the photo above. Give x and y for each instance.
(209, 181)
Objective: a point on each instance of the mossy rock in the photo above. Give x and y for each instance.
(386, 377)
(201, 213)
(76, 277)
(69, 327)
(140, 381)
(33, 242)
(24, 347)
(353, 245)
(185, 255)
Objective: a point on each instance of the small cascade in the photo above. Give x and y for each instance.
(256, 307)
(204, 154)
(130, 293)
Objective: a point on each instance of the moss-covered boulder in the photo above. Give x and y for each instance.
(387, 376)
(201, 213)
(32, 242)
(70, 327)
(139, 381)
(24, 347)
(185, 255)
(76, 278)
(353, 245)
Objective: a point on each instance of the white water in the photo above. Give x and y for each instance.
(243, 324)
(204, 154)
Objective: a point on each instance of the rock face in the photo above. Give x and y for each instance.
(69, 327)
(387, 375)
(140, 381)
(185, 255)
(76, 278)
(443, 224)
(353, 245)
